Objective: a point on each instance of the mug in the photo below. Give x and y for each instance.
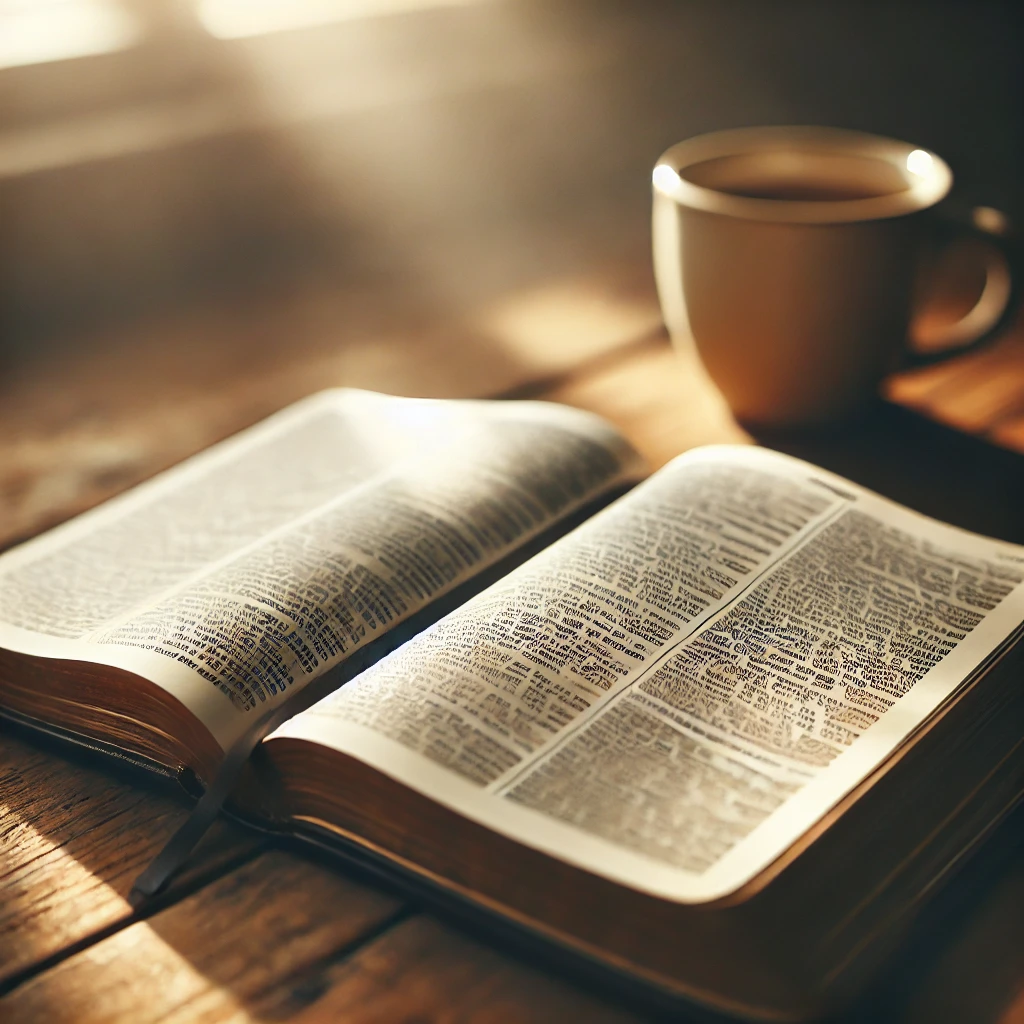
(791, 256)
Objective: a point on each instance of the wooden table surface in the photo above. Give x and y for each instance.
(519, 269)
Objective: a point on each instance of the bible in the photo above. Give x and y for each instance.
(719, 738)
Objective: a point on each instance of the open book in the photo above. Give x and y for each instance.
(723, 737)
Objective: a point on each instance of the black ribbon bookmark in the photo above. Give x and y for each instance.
(176, 851)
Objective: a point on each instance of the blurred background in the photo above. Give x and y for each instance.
(211, 207)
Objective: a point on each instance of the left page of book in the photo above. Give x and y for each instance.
(239, 576)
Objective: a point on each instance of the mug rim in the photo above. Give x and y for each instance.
(929, 181)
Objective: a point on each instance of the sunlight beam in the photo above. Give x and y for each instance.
(240, 19)
(36, 33)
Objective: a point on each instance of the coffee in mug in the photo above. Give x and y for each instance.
(790, 258)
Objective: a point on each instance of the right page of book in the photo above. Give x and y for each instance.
(675, 692)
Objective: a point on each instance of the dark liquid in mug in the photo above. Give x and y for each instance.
(797, 176)
(804, 191)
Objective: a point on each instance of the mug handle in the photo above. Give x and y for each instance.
(999, 298)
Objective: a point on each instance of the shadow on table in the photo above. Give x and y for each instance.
(962, 958)
(78, 827)
(931, 468)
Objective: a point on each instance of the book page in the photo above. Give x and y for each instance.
(237, 577)
(672, 694)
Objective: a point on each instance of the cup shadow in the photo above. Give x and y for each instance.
(931, 468)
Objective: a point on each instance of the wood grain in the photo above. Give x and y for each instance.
(977, 393)
(277, 940)
(273, 941)
(424, 970)
(73, 837)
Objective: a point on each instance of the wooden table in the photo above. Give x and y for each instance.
(542, 292)
(252, 931)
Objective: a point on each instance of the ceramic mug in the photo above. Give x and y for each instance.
(790, 257)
